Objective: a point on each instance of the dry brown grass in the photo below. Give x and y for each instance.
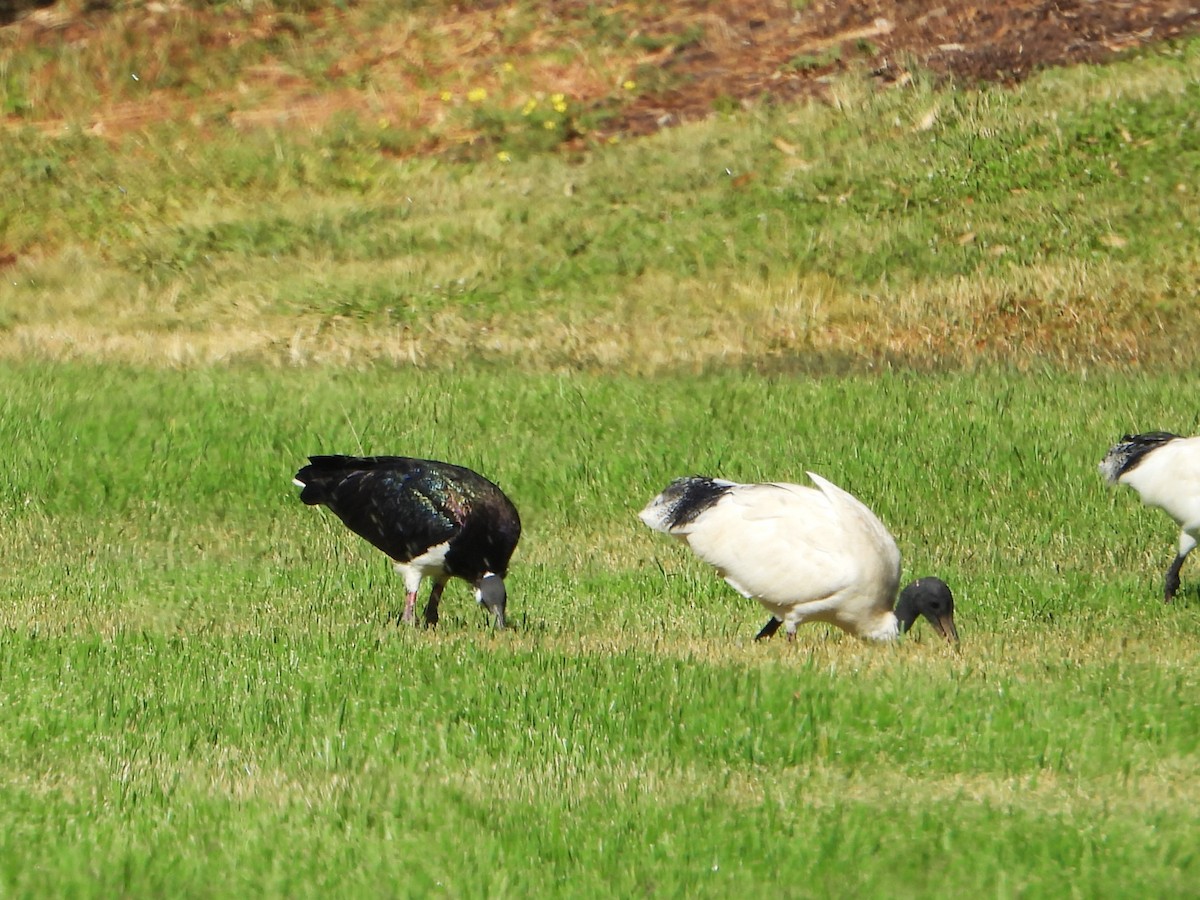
(1073, 314)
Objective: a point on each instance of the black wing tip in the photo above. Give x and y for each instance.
(311, 496)
(1132, 449)
(323, 471)
(687, 497)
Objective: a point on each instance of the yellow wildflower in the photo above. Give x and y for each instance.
(559, 102)
(446, 96)
(477, 95)
(504, 156)
(530, 106)
(629, 84)
(549, 125)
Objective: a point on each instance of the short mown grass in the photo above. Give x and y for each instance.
(206, 693)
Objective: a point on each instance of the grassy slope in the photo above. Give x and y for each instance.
(1053, 223)
(206, 695)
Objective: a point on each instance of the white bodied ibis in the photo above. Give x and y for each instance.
(808, 554)
(1164, 469)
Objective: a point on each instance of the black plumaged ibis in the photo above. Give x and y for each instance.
(435, 520)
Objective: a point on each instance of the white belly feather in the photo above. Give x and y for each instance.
(430, 564)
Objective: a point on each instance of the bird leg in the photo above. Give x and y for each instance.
(769, 629)
(410, 600)
(412, 583)
(1172, 581)
(1187, 543)
(431, 607)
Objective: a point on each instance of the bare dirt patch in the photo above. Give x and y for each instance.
(687, 59)
(763, 49)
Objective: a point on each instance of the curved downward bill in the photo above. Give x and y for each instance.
(945, 627)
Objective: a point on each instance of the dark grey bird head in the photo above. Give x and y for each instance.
(929, 597)
(490, 592)
(1132, 449)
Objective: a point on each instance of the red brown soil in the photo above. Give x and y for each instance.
(747, 55)
(701, 55)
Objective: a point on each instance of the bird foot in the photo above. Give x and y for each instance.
(769, 629)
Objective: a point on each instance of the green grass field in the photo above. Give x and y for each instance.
(206, 694)
(949, 302)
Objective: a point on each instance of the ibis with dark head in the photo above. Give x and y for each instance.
(807, 554)
(1164, 469)
(434, 519)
